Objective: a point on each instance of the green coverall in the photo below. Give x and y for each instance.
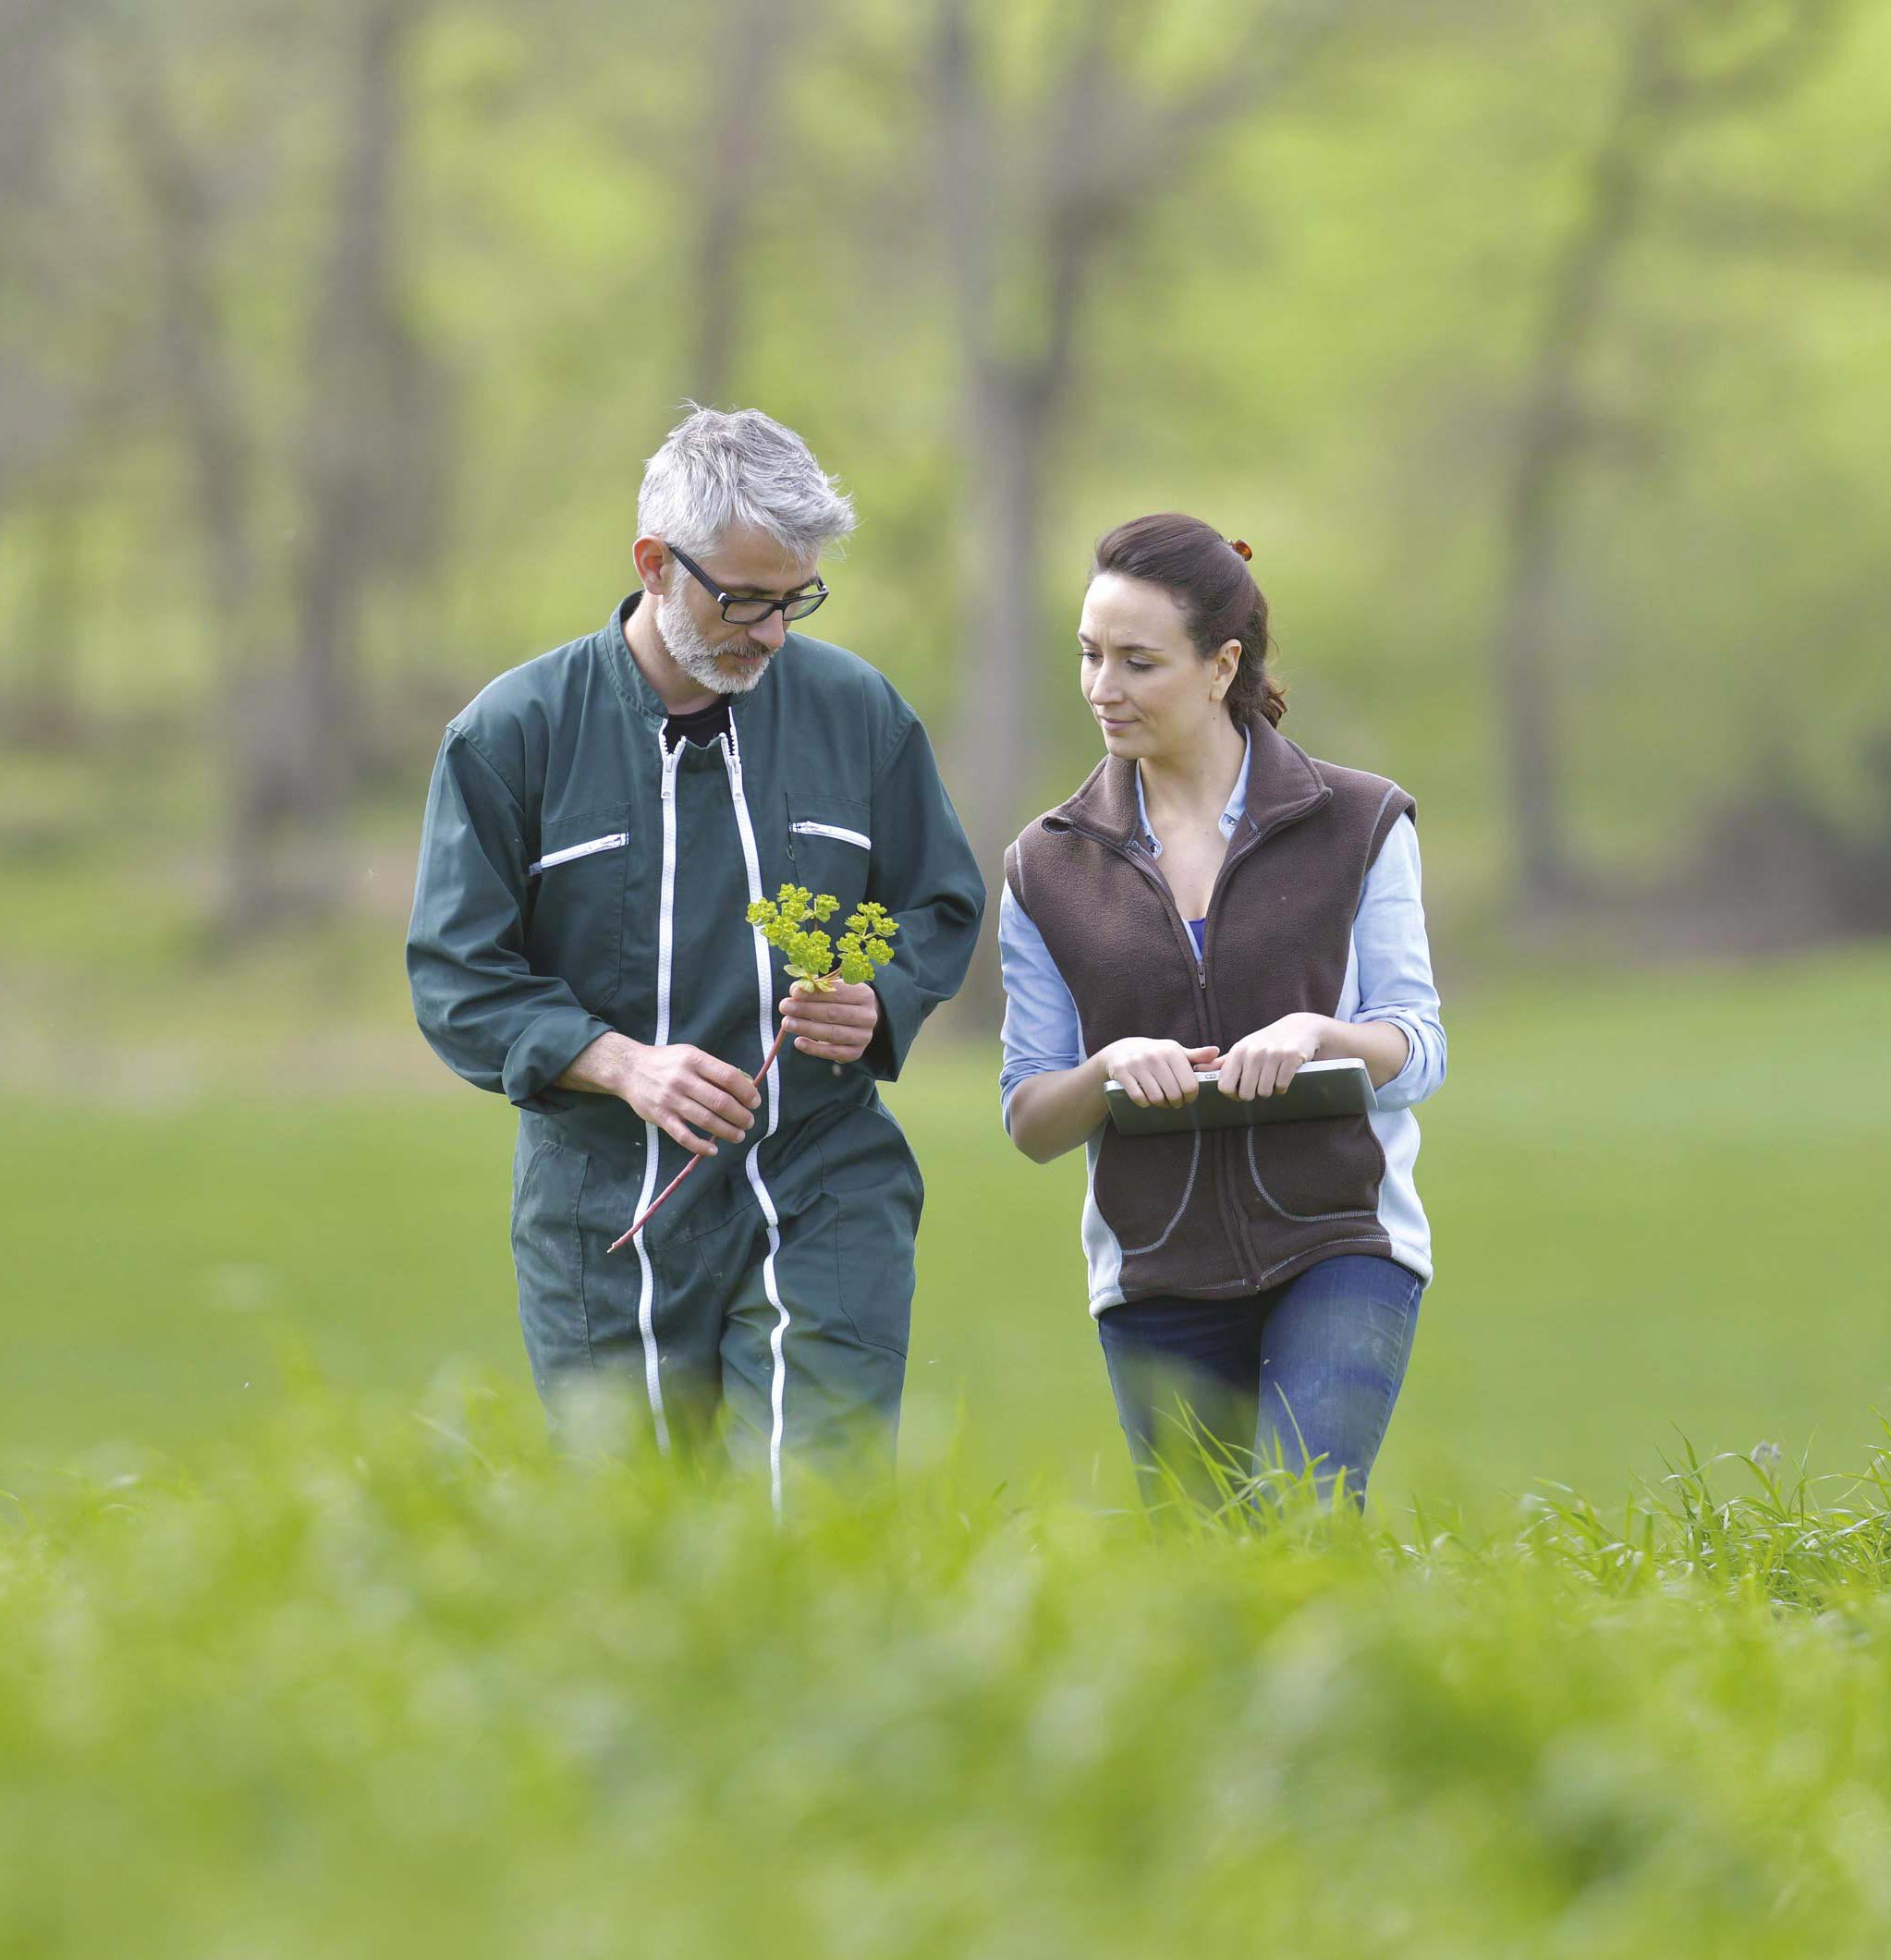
(577, 877)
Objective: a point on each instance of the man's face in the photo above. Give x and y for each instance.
(747, 563)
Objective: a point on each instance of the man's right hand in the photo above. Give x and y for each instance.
(1156, 1071)
(673, 1087)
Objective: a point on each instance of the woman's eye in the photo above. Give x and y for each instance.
(1138, 666)
(1086, 652)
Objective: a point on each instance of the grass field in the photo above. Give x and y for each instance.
(359, 1669)
(1653, 1198)
(377, 1686)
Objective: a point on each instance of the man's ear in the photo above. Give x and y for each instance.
(652, 563)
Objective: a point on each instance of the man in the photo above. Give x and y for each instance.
(599, 821)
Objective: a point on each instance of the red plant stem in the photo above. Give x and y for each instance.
(662, 1198)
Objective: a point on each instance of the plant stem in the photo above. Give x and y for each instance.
(662, 1198)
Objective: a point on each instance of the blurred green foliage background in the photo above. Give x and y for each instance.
(1540, 353)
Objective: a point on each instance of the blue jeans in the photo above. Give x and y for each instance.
(1303, 1373)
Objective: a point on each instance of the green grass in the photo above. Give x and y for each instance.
(379, 1682)
(364, 1671)
(1653, 1197)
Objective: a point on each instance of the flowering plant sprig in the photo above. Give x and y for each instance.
(864, 948)
(783, 921)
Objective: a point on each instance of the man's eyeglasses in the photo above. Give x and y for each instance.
(742, 611)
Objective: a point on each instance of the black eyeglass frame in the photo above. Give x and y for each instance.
(808, 602)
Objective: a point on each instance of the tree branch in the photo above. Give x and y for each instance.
(1763, 74)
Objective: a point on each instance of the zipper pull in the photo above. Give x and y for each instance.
(669, 782)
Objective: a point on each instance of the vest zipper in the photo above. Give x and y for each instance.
(1231, 1228)
(1231, 1211)
(1184, 938)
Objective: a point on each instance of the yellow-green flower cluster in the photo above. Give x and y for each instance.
(783, 922)
(863, 948)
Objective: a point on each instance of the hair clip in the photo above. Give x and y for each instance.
(1240, 548)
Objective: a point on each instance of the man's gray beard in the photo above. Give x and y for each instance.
(686, 647)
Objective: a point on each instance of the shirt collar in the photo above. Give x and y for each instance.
(1230, 817)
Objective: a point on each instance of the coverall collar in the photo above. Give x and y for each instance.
(626, 676)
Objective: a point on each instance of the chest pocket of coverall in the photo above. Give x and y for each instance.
(831, 846)
(575, 901)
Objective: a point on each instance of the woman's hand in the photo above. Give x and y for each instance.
(1264, 1063)
(1156, 1071)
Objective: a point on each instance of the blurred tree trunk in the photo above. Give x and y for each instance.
(43, 706)
(40, 489)
(370, 442)
(1031, 196)
(31, 100)
(742, 111)
(1551, 437)
(32, 92)
(1671, 77)
(365, 480)
(194, 357)
(31, 105)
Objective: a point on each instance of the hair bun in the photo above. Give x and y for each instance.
(1240, 548)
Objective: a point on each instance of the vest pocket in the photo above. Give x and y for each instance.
(1146, 1185)
(1312, 1172)
(576, 899)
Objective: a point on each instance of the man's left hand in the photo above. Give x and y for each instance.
(832, 1026)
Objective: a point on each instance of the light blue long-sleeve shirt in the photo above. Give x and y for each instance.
(1388, 978)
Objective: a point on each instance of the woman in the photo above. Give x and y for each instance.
(1213, 898)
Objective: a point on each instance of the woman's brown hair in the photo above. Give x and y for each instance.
(1207, 577)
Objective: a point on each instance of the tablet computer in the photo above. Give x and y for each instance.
(1318, 1089)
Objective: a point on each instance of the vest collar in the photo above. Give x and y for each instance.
(1283, 787)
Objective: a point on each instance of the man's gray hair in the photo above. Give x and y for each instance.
(716, 472)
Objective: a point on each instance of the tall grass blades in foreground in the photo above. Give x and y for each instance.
(386, 1682)
(1779, 1536)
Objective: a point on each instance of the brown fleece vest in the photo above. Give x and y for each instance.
(1211, 1214)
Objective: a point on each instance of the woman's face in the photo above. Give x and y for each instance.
(1153, 695)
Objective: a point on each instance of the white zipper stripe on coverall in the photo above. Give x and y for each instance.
(665, 934)
(732, 761)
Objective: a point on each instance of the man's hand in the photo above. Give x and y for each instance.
(832, 1026)
(1264, 1063)
(1155, 1071)
(672, 1086)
